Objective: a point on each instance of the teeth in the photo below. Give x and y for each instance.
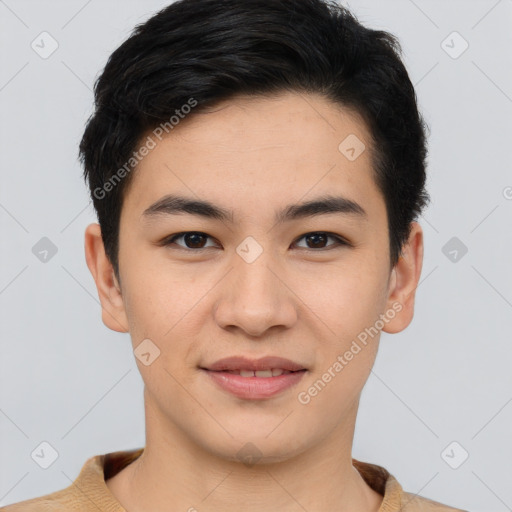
(263, 373)
(274, 372)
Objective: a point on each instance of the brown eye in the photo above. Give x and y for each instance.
(318, 240)
(192, 239)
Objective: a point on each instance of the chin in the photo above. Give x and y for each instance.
(251, 445)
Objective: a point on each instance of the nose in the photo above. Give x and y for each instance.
(255, 297)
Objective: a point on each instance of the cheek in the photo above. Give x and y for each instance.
(349, 310)
(149, 304)
(166, 309)
(345, 298)
(154, 288)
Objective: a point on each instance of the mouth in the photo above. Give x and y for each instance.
(246, 364)
(254, 379)
(272, 372)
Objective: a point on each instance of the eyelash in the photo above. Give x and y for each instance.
(171, 240)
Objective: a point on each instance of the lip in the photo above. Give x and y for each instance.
(245, 363)
(254, 388)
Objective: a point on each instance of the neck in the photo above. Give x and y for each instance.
(174, 473)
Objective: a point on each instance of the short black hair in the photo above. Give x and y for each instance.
(207, 51)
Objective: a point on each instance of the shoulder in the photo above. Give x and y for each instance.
(56, 501)
(69, 498)
(394, 497)
(88, 492)
(414, 503)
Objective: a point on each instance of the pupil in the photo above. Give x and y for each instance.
(195, 237)
(315, 237)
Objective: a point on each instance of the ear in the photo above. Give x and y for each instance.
(404, 281)
(109, 292)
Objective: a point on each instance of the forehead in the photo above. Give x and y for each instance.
(253, 150)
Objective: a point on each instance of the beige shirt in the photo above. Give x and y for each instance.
(89, 492)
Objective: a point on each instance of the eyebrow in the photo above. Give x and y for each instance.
(174, 205)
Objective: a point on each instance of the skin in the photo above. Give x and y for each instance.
(298, 300)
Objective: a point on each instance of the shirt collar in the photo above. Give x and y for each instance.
(91, 480)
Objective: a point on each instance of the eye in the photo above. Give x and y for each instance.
(195, 240)
(320, 238)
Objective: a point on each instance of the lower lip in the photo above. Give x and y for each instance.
(254, 388)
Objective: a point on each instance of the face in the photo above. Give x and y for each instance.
(259, 278)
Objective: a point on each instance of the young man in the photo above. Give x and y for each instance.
(257, 168)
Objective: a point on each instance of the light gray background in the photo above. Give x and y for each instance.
(68, 380)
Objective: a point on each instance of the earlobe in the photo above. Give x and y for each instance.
(109, 291)
(404, 281)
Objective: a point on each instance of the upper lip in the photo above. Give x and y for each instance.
(245, 363)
